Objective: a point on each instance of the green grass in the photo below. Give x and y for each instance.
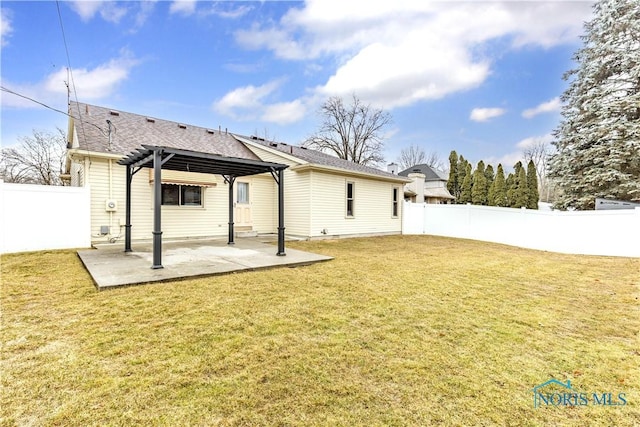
(395, 331)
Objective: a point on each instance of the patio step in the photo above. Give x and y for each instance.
(246, 233)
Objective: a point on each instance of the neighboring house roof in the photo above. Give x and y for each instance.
(319, 158)
(430, 173)
(439, 192)
(131, 131)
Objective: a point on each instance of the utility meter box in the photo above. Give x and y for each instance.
(111, 205)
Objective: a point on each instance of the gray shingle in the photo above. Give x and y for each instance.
(320, 158)
(130, 131)
(430, 173)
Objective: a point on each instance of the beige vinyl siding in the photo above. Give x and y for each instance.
(297, 203)
(76, 171)
(268, 156)
(297, 195)
(264, 203)
(372, 206)
(177, 221)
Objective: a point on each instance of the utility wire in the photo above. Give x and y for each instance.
(73, 84)
(5, 89)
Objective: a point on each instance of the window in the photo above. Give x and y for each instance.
(350, 197)
(243, 192)
(394, 207)
(181, 195)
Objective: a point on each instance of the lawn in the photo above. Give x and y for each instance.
(401, 330)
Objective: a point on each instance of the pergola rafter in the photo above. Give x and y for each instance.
(230, 168)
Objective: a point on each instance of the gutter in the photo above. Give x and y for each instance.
(332, 169)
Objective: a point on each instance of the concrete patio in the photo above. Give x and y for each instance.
(110, 266)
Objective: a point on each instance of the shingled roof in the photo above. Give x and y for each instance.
(319, 158)
(131, 131)
(430, 173)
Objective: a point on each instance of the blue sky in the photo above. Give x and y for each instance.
(482, 78)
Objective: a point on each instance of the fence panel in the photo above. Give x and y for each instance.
(40, 217)
(615, 233)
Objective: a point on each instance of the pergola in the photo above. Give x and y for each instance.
(230, 168)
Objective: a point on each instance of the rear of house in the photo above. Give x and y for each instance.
(324, 196)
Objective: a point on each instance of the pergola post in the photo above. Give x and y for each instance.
(281, 251)
(157, 209)
(127, 225)
(231, 180)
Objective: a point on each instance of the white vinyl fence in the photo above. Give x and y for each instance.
(40, 217)
(614, 232)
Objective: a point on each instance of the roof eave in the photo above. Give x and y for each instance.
(324, 168)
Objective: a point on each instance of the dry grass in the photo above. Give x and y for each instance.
(394, 331)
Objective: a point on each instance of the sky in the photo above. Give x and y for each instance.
(483, 78)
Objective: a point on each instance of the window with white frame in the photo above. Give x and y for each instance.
(181, 195)
(350, 198)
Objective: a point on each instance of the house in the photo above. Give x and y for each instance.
(323, 196)
(427, 185)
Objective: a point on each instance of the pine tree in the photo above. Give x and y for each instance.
(532, 186)
(499, 189)
(489, 174)
(598, 139)
(460, 174)
(479, 189)
(465, 193)
(522, 190)
(511, 190)
(452, 184)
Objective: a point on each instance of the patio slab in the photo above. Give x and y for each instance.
(110, 266)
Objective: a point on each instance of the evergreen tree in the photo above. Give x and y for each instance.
(511, 190)
(499, 189)
(460, 174)
(489, 174)
(479, 189)
(465, 193)
(452, 184)
(522, 190)
(598, 139)
(532, 186)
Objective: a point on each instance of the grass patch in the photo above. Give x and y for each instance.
(401, 330)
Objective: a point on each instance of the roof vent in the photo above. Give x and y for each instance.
(150, 120)
(211, 131)
(182, 126)
(273, 144)
(114, 113)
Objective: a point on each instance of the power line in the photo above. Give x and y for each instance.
(73, 84)
(5, 89)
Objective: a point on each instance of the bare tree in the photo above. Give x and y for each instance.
(38, 159)
(352, 132)
(539, 152)
(415, 155)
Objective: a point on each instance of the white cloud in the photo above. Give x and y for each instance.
(109, 11)
(546, 107)
(227, 12)
(5, 26)
(399, 53)
(183, 7)
(90, 84)
(252, 103)
(535, 140)
(284, 112)
(484, 114)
